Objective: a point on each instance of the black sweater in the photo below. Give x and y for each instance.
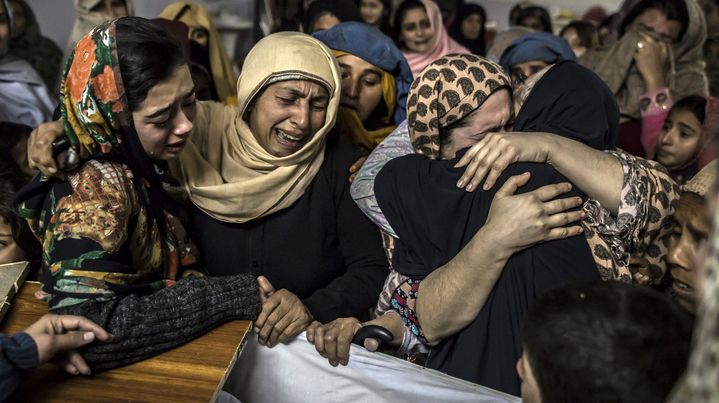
(322, 248)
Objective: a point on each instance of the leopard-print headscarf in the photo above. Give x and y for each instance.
(446, 91)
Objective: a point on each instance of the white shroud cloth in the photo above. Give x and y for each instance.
(297, 373)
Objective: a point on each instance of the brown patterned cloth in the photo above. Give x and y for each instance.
(446, 91)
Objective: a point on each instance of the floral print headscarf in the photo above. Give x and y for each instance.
(446, 91)
(92, 96)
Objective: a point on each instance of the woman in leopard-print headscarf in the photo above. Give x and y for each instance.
(446, 92)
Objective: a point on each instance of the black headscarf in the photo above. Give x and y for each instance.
(476, 46)
(572, 101)
(344, 10)
(435, 220)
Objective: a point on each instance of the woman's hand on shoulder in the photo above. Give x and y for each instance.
(516, 222)
(495, 152)
(39, 147)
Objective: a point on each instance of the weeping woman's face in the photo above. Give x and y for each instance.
(494, 115)
(164, 119)
(287, 114)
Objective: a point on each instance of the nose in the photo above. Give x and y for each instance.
(669, 138)
(301, 116)
(680, 255)
(183, 125)
(350, 88)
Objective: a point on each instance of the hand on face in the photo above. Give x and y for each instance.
(56, 334)
(287, 114)
(651, 58)
(283, 315)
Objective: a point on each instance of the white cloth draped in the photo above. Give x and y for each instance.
(297, 373)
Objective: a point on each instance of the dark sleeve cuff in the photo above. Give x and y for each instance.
(21, 351)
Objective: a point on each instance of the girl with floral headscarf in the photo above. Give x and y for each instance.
(114, 249)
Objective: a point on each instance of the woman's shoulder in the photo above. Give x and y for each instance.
(106, 176)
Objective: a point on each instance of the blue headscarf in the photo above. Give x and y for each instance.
(374, 47)
(536, 46)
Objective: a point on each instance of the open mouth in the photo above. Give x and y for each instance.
(175, 148)
(288, 140)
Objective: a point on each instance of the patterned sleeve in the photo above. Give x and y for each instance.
(648, 200)
(395, 145)
(87, 239)
(398, 299)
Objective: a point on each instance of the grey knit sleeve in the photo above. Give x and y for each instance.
(143, 326)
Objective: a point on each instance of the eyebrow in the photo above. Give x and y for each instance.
(687, 127)
(164, 110)
(299, 94)
(5, 235)
(372, 70)
(697, 233)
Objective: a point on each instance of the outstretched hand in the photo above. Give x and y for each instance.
(58, 336)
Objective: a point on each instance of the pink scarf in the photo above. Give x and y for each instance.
(442, 44)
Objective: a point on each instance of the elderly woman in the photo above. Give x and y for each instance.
(421, 34)
(375, 82)
(565, 101)
(657, 58)
(114, 250)
(270, 186)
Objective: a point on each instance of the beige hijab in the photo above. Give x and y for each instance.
(225, 171)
